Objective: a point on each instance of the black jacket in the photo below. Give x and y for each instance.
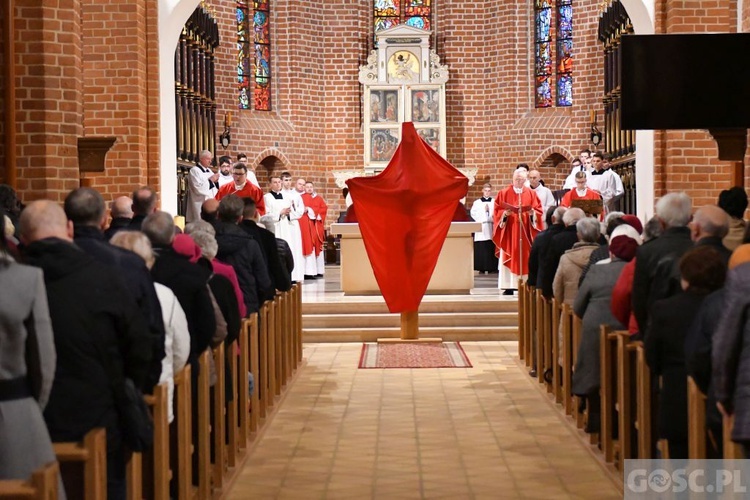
(664, 340)
(562, 241)
(238, 249)
(655, 267)
(538, 252)
(117, 224)
(99, 336)
(189, 283)
(139, 282)
(267, 241)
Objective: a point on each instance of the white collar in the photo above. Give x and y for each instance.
(517, 190)
(581, 193)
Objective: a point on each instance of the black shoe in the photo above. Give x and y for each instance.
(318, 275)
(532, 372)
(310, 277)
(548, 375)
(508, 292)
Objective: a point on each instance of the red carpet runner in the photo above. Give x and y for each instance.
(413, 355)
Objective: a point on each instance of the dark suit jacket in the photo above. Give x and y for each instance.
(281, 279)
(538, 252)
(665, 351)
(561, 242)
(655, 264)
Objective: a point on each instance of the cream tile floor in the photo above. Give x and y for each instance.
(483, 432)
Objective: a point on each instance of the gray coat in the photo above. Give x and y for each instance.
(28, 349)
(593, 305)
(730, 357)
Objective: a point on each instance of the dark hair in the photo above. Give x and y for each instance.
(230, 208)
(652, 229)
(240, 156)
(612, 224)
(598, 155)
(84, 206)
(249, 208)
(240, 166)
(9, 200)
(344, 192)
(548, 215)
(144, 200)
(285, 175)
(733, 201)
(703, 268)
(3, 242)
(225, 159)
(522, 165)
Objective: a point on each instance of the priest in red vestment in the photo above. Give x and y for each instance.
(518, 219)
(243, 188)
(580, 192)
(312, 227)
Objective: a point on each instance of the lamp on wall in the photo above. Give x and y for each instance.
(596, 135)
(225, 138)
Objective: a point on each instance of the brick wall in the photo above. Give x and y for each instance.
(48, 97)
(120, 81)
(92, 70)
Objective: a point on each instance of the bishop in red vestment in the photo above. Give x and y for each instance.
(518, 219)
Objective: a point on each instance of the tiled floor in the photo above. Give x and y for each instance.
(454, 433)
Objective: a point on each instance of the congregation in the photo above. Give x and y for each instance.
(675, 282)
(101, 312)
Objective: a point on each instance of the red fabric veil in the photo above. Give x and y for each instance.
(404, 215)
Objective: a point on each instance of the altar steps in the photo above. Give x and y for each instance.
(479, 318)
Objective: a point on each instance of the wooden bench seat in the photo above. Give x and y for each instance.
(42, 485)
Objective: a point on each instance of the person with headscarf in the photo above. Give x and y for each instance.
(592, 305)
(702, 270)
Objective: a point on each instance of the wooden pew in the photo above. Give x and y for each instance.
(567, 357)
(696, 421)
(731, 449)
(298, 320)
(42, 485)
(279, 342)
(92, 453)
(521, 319)
(531, 326)
(250, 339)
(608, 363)
(218, 406)
(271, 375)
(556, 352)
(644, 413)
(263, 383)
(183, 421)
(233, 354)
(204, 426)
(577, 328)
(539, 334)
(152, 480)
(545, 372)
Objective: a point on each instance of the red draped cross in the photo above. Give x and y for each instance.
(404, 215)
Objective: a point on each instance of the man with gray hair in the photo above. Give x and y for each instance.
(656, 275)
(709, 226)
(560, 243)
(203, 184)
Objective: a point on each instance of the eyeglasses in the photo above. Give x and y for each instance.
(239, 174)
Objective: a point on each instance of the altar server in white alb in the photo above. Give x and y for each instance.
(605, 181)
(485, 260)
(286, 207)
(203, 184)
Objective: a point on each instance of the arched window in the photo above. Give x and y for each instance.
(543, 53)
(389, 13)
(254, 55)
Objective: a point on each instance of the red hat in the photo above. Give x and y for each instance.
(623, 247)
(634, 222)
(184, 245)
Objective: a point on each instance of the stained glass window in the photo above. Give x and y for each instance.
(243, 55)
(543, 53)
(548, 49)
(564, 52)
(262, 62)
(254, 55)
(389, 13)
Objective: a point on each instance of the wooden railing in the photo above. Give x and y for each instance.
(226, 422)
(549, 337)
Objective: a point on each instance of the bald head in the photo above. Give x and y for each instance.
(709, 221)
(210, 210)
(45, 219)
(121, 207)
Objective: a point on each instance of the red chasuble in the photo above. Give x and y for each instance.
(249, 190)
(313, 230)
(404, 215)
(516, 234)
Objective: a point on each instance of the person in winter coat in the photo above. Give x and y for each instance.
(572, 262)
